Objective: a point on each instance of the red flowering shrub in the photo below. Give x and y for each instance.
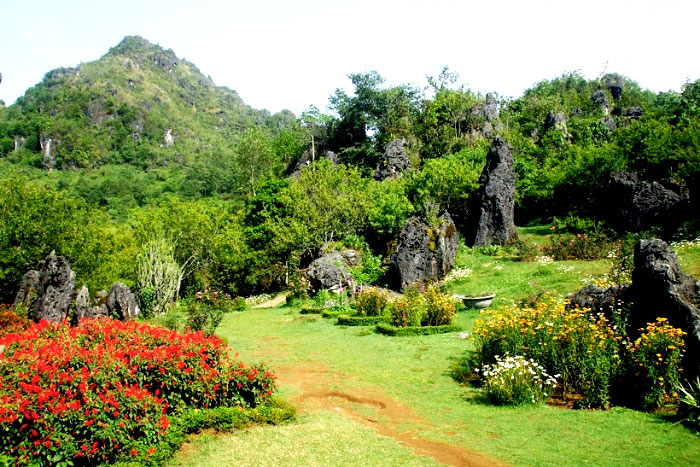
(97, 392)
(11, 321)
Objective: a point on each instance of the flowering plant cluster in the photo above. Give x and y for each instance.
(422, 306)
(516, 380)
(12, 321)
(582, 348)
(457, 275)
(578, 246)
(105, 389)
(653, 364)
(371, 302)
(590, 353)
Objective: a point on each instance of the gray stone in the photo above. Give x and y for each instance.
(489, 112)
(556, 121)
(641, 205)
(26, 295)
(313, 153)
(82, 303)
(491, 213)
(424, 253)
(48, 151)
(614, 84)
(122, 303)
(600, 99)
(331, 270)
(600, 300)
(54, 289)
(394, 161)
(610, 123)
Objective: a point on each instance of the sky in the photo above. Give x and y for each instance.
(292, 54)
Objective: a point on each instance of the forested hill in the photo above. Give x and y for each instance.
(139, 105)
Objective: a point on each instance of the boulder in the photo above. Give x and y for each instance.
(121, 302)
(318, 150)
(615, 84)
(332, 270)
(600, 99)
(556, 121)
(424, 252)
(82, 303)
(632, 113)
(641, 205)
(489, 112)
(394, 161)
(610, 123)
(54, 289)
(600, 300)
(491, 213)
(26, 295)
(48, 151)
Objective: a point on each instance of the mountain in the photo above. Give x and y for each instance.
(139, 105)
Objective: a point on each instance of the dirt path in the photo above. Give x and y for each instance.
(371, 408)
(276, 301)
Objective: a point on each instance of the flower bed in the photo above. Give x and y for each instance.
(106, 390)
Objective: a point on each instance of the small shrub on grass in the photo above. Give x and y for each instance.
(440, 308)
(371, 302)
(409, 309)
(579, 246)
(516, 380)
(653, 363)
(238, 304)
(206, 310)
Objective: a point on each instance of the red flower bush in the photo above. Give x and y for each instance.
(87, 394)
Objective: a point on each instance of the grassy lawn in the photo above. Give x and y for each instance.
(368, 399)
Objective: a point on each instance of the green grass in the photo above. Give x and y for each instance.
(415, 373)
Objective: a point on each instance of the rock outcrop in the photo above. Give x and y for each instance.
(394, 161)
(122, 303)
(82, 303)
(27, 294)
(313, 153)
(491, 213)
(54, 289)
(332, 270)
(556, 121)
(489, 113)
(600, 99)
(423, 252)
(641, 205)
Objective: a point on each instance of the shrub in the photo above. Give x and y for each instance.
(238, 304)
(106, 389)
(653, 363)
(158, 276)
(516, 381)
(12, 321)
(408, 310)
(582, 348)
(371, 302)
(440, 308)
(579, 246)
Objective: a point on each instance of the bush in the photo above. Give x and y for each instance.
(579, 246)
(415, 330)
(106, 390)
(440, 308)
(653, 363)
(516, 381)
(408, 310)
(158, 276)
(12, 321)
(371, 302)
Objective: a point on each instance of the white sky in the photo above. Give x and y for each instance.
(291, 54)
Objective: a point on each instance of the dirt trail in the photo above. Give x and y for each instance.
(371, 408)
(276, 301)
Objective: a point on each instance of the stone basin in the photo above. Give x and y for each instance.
(477, 302)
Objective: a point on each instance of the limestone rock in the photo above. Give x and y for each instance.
(121, 302)
(424, 253)
(614, 84)
(600, 99)
(331, 270)
(489, 112)
(600, 300)
(641, 205)
(26, 295)
(48, 151)
(394, 161)
(82, 303)
(54, 289)
(491, 213)
(313, 153)
(556, 121)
